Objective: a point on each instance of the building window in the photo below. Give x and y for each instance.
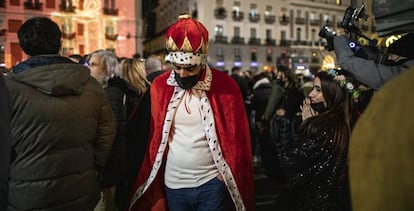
(50, 4)
(67, 6)
(326, 18)
(219, 30)
(2, 3)
(109, 8)
(253, 54)
(253, 10)
(14, 25)
(269, 54)
(220, 54)
(283, 35)
(2, 54)
(219, 12)
(15, 2)
(268, 10)
(237, 31)
(268, 34)
(67, 51)
(298, 13)
(16, 53)
(253, 33)
(81, 29)
(313, 35)
(237, 54)
(236, 8)
(298, 34)
(82, 49)
(80, 5)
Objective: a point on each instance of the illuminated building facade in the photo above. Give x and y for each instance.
(86, 25)
(255, 34)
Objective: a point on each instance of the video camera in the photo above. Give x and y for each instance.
(350, 25)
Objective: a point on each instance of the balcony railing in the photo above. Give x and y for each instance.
(270, 19)
(111, 37)
(269, 41)
(220, 39)
(314, 22)
(300, 21)
(110, 11)
(64, 8)
(220, 13)
(254, 17)
(329, 23)
(237, 15)
(300, 42)
(36, 5)
(284, 20)
(285, 42)
(69, 36)
(237, 40)
(254, 41)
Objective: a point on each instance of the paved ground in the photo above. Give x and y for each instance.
(270, 196)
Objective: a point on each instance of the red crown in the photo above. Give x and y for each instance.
(187, 35)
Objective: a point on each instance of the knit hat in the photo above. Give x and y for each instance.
(187, 41)
(403, 46)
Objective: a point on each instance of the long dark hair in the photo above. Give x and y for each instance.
(338, 112)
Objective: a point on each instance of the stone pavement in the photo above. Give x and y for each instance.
(270, 196)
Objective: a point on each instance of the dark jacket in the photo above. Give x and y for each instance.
(276, 96)
(261, 93)
(137, 134)
(366, 71)
(4, 143)
(317, 172)
(115, 168)
(62, 130)
(243, 84)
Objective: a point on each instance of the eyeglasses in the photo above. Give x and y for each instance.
(187, 68)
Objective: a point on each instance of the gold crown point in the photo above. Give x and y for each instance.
(184, 16)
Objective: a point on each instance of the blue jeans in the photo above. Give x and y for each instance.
(212, 195)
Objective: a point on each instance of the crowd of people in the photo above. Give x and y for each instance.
(99, 132)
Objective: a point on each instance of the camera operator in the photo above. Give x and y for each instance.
(370, 72)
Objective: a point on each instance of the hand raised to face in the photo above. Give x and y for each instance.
(307, 110)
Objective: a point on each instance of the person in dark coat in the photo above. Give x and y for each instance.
(153, 67)
(4, 143)
(282, 116)
(262, 89)
(237, 75)
(105, 68)
(62, 126)
(138, 123)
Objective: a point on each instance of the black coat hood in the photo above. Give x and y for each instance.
(57, 79)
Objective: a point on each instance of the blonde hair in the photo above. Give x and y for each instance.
(133, 71)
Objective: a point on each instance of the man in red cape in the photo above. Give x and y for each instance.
(220, 118)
